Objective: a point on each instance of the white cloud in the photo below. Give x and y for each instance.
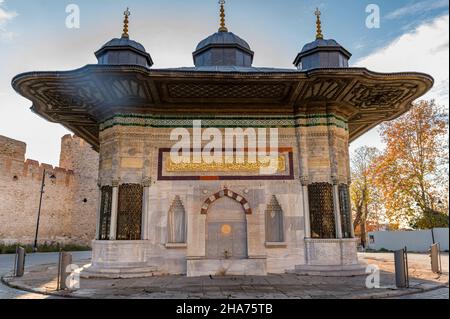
(426, 49)
(5, 17)
(418, 7)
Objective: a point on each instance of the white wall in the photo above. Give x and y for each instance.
(417, 241)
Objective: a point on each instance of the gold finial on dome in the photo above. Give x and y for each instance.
(319, 35)
(222, 28)
(126, 14)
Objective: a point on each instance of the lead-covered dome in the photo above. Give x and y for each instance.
(223, 38)
(322, 53)
(124, 51)
(223, 49)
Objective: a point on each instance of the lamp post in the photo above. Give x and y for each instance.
(52, 177)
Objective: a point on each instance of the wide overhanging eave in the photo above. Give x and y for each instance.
(81, 99)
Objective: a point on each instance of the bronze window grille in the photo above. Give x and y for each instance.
(345, 210)
(105, 213)
(321, 210)
(129, 214)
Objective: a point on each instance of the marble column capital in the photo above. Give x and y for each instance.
(305, 180)
(335, 180)
(115, 183)
(147, 182)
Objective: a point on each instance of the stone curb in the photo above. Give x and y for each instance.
(4, 280)
(400, 292)
(382, 295)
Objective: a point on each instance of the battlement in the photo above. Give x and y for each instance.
(32, 170)
(70, 199)
(75, 151)
(14, 165)
(13, 149)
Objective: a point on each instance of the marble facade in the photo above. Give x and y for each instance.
(130, 155)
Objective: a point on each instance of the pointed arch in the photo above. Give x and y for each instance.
(274, 221)
(176, 222)
(230, 194)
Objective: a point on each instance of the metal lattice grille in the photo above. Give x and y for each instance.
(105, 213)
(345, 208)
(321, 210)
(129, 215)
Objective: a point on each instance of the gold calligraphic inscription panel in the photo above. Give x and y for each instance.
(221, 167)
(248, 167)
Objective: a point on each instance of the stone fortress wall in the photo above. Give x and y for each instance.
(69, 203)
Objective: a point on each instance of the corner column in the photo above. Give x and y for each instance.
(352, 229)
(337, 210)
(99, 207)
(114, 209)
(145, 207)
(305, 182)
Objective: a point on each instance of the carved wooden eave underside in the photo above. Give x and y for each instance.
(82, 99)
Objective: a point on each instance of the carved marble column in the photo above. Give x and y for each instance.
(305, 182)
(99, 207)
(114, 209)
(352, 229)
(145, 207)
(337, 211)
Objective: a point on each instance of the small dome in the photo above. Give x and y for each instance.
(223, 49)
(320, 43)
(123, 51)
(322, 53)
(223, 38)
(124, 42)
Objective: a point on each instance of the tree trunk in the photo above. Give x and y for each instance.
(363, 234)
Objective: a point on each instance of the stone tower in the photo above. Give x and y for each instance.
(79, 157)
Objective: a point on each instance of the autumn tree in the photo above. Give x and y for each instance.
(366, 203)
(412, 172)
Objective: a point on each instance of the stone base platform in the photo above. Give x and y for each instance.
(332, 271)
(226, 267)
(89, 271)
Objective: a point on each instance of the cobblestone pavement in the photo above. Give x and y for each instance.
(6, 266)
(41, 275)
(419, 261)
(434, 294)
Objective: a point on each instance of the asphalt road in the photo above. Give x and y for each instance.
(7, 263)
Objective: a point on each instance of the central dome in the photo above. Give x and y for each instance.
(226, 38)
(223, 49)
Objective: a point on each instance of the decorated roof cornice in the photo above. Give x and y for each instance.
(82, 99)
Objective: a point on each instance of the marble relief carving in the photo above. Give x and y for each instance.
(176, 222)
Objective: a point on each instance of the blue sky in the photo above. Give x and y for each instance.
(413, 36)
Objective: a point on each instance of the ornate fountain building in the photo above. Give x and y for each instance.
(160, 217)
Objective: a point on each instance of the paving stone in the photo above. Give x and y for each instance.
(289, 286)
